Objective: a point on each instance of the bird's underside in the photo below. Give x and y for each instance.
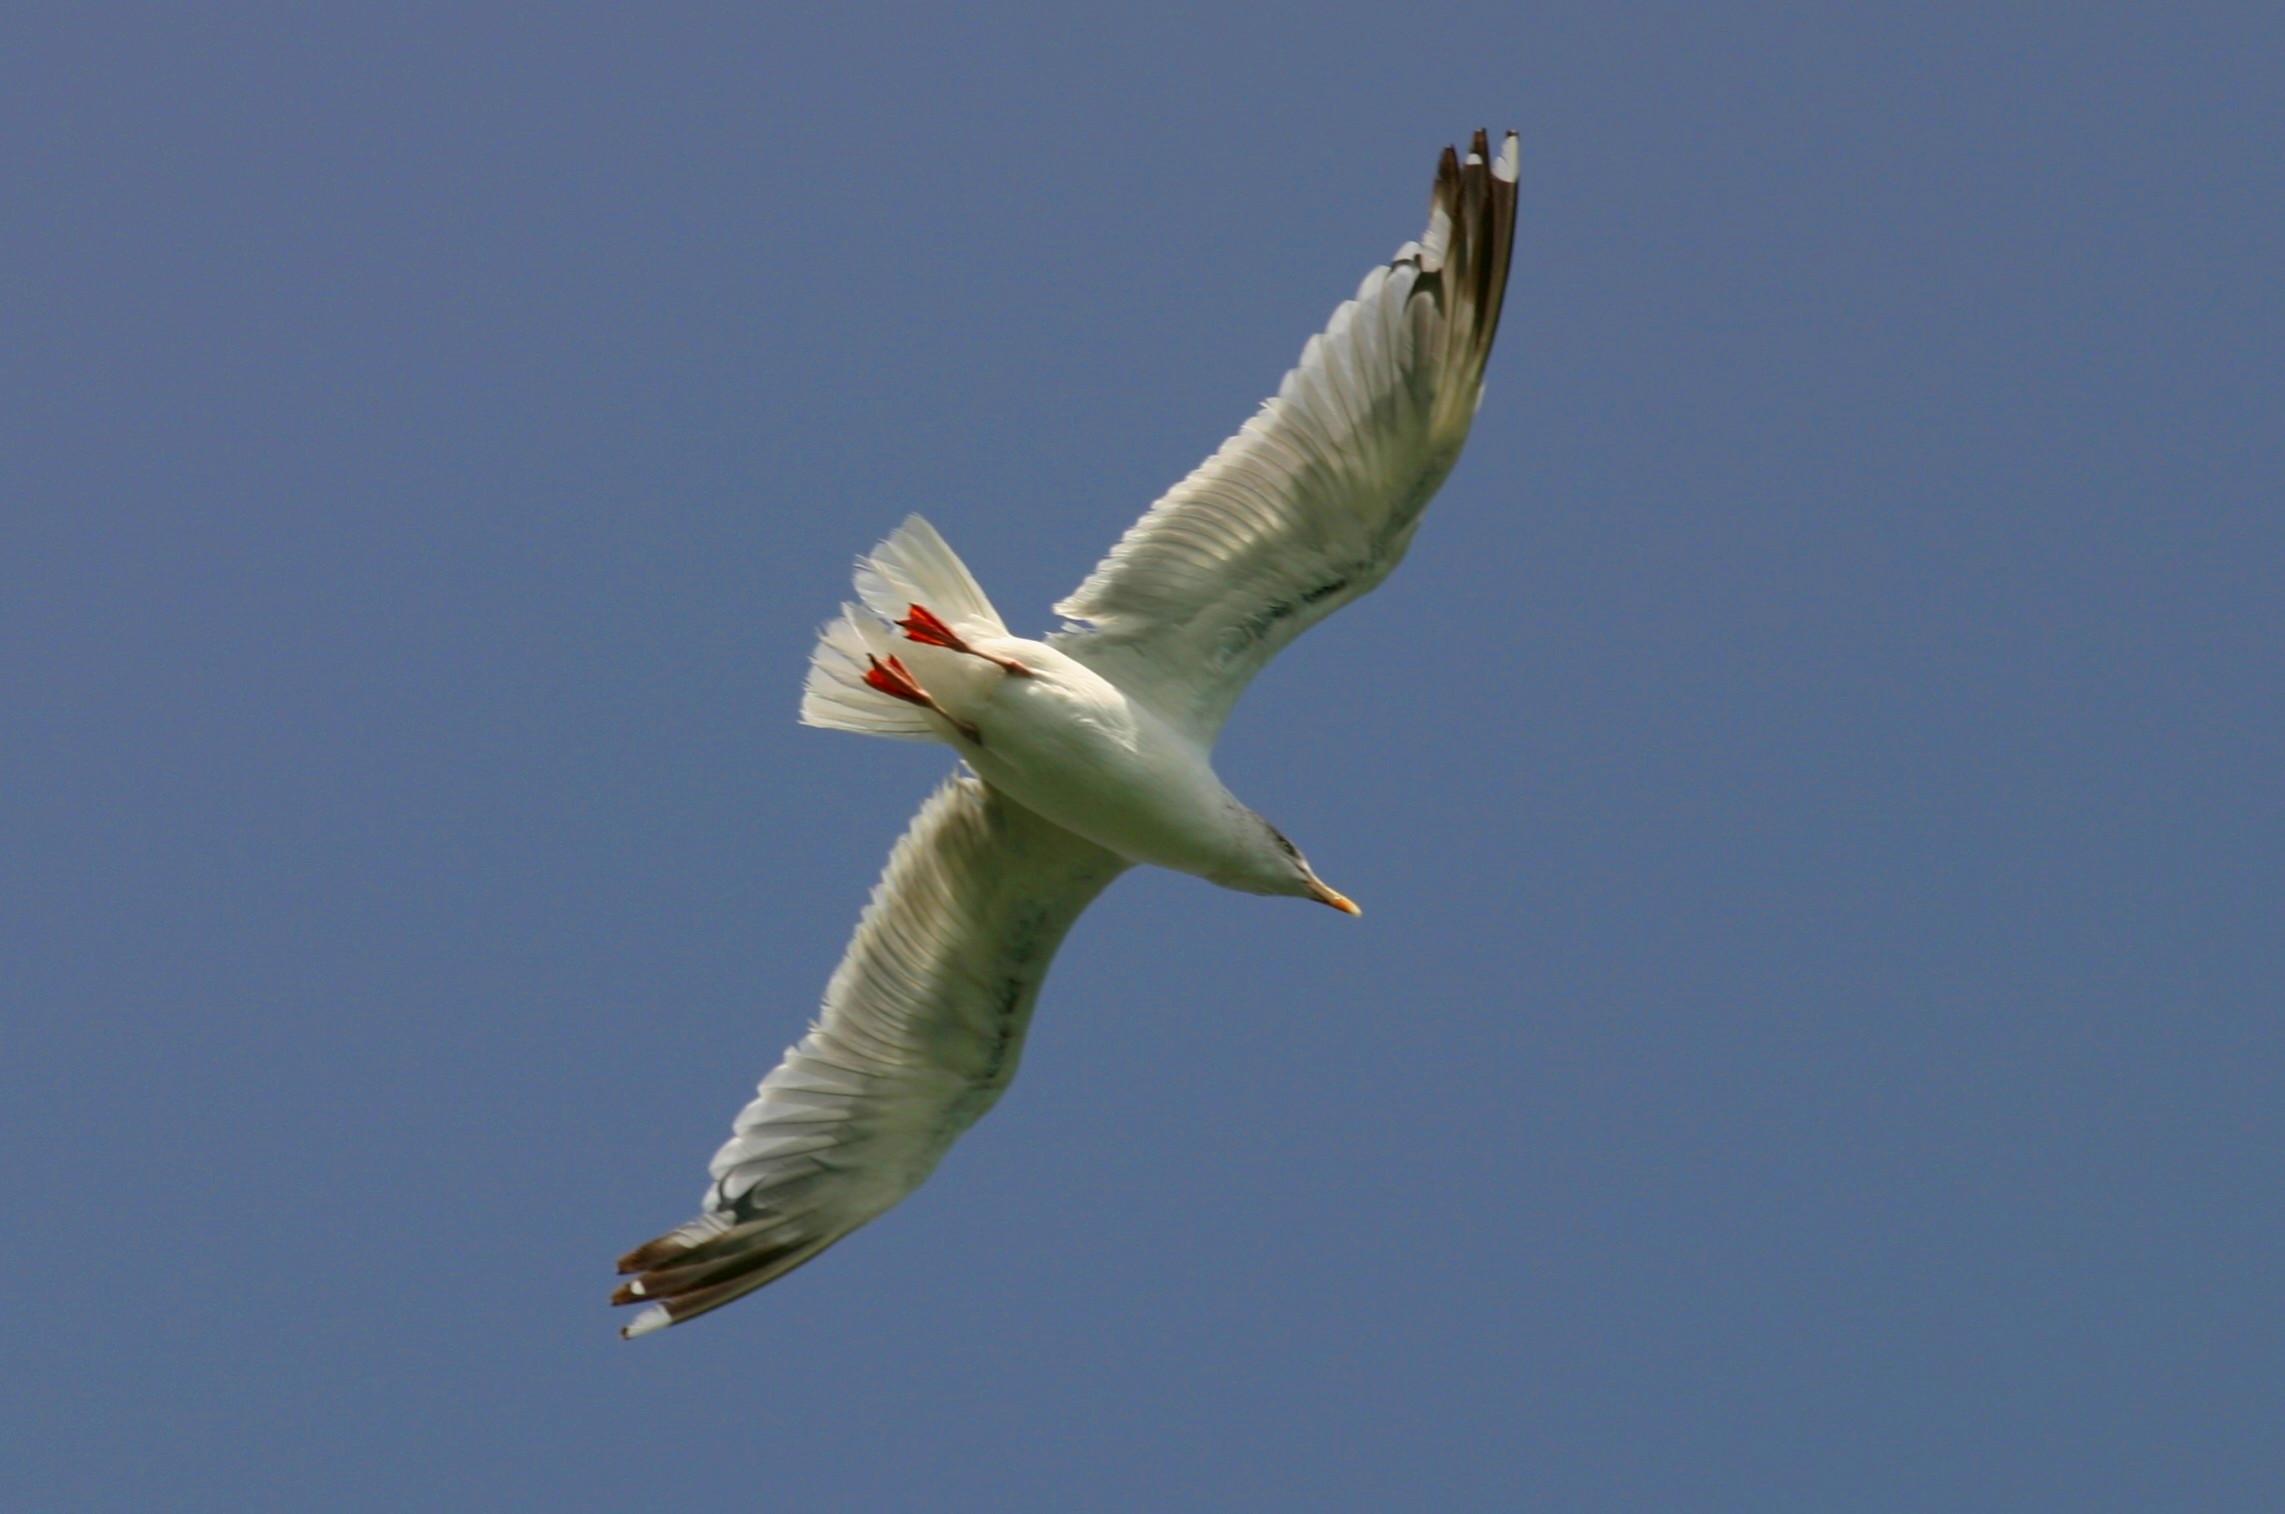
(1308, 507)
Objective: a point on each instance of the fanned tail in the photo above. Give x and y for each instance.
(838, 698)
(913, 569)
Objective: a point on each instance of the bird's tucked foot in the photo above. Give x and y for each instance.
(923, 626)
(895, 680)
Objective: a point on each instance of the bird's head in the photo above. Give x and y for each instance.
(1274, 865)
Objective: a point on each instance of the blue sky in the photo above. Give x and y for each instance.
(1813, 1041)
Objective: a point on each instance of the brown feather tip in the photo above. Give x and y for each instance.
(650, 1253)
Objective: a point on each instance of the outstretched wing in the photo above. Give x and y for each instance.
(1315, 500)
(921, 1029)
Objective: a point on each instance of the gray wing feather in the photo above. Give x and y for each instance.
(920, 1032)
(1315, 500)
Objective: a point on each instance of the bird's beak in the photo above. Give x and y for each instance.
(1339, 901)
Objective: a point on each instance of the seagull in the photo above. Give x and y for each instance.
(1085, 753)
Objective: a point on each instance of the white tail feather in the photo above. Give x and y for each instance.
(915, 567)
(912, 567)
(836, 695)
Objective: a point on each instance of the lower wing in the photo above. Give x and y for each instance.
(920, 1031)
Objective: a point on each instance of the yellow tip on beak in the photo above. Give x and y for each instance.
(1341, 902)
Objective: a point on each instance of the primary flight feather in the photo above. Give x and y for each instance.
(1087, 752)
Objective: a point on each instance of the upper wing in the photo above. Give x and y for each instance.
(920, 1032)
(1315, 500)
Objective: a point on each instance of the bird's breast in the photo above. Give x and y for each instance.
(1069, 746)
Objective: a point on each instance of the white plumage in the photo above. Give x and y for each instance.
(1088, 752)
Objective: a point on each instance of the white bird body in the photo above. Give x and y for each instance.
(1069, 745)
(1091, 750)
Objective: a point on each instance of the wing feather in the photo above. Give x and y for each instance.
(920, 1031)
(1315, 499)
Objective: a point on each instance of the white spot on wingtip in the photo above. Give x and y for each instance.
(653, 1318)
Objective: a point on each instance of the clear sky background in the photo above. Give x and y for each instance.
(1814, 1039)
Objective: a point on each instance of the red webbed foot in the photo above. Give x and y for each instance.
(894, 679)
(923, 626)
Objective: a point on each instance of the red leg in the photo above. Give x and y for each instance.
(894, 680)
(923, 626)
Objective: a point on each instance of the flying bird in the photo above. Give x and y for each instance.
(1085, 753)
